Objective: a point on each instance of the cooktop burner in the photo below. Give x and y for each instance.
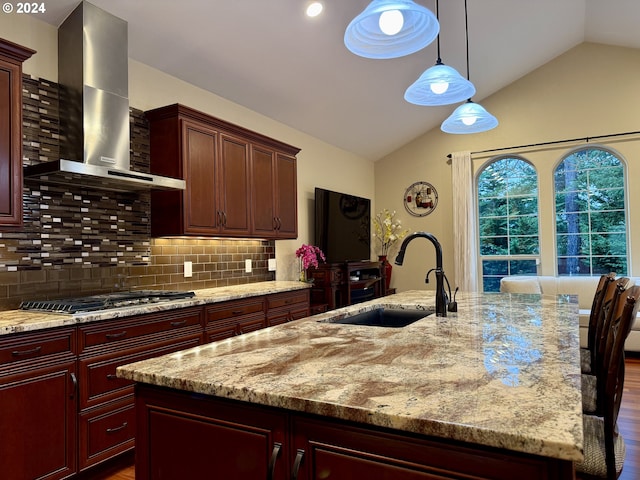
(104, 302)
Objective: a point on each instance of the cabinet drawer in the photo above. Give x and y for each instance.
(98, 381)
(288, 299)
(235, 309)
(283, 315)
(112, 331)
(230, 327)
(106, 432)
(29, 346)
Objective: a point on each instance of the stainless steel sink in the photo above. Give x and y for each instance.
(384, 317)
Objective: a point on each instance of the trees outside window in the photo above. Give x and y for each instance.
(591, 232)
(508, 220)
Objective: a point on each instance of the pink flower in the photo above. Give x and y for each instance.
(309, 255)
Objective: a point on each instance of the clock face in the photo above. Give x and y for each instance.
(420, 199)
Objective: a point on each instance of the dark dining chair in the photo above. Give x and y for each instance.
(592, 383)
(587, 353)
(604, 447)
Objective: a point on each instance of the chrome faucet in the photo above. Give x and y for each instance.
(442, 300)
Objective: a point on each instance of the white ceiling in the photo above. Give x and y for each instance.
(268, 56)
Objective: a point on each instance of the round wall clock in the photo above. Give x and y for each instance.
(420, 199)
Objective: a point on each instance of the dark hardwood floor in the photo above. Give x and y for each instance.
(628, 422)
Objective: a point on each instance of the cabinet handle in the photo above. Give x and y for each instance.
(296, 464)
(179, 323)
(113, 336)
(74, 381)
(224, 219)
(237, 312)
(279, 223)
(111, 376)
(117, 429)
(272, 463)
(22, 353)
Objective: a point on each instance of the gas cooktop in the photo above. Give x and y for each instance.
(104, 302)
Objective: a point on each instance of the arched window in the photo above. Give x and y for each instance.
(508, 220)
(591, 220)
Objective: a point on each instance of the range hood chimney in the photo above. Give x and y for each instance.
(94, 108)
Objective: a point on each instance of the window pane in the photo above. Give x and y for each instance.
(524, 246)
(492, 207)
(523, 206)
(573, 245)
(608, 221)
(572, 222)
(495, 267)
(523, 267)
(611, 199)
(523, 226)
(602, 265)
(607, 177)
(493, 226)
(574, 266)
(573, 201)
(609, 244)
(493, 245)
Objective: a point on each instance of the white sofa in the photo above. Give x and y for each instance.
(582, 286)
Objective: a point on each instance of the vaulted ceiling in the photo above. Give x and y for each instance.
(269, 57)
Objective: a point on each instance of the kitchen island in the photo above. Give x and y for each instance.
(492, 391)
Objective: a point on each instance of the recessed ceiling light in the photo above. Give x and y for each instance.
(314, 9)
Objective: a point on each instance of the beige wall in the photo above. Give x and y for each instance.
(588, 91)
(319, 164)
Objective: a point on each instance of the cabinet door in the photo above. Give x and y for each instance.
(286, 197)
(263, 192)
(11, 58)
(38, 423)
(199, 152)
(183, 435)
(233, 186)
(274, 190)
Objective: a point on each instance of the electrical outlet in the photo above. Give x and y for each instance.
(272, 265)
(188, 269)
(247, 265)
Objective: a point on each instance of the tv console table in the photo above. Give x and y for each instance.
(342, 284)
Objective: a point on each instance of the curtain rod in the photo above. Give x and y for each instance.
(586, 139)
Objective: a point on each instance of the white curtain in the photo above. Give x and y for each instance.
(465, 250)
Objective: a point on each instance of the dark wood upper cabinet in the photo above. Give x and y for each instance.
(11, 58)
(239, 183)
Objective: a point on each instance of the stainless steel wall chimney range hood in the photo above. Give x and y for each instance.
(94, 108)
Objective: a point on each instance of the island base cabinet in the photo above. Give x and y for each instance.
(330, 450)
(184, 435)
(193, 436)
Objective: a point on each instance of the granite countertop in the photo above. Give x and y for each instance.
(504, 371)
(15, 321)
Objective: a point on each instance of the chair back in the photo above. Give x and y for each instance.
(609, 301)
(594, 317)
(622, 317)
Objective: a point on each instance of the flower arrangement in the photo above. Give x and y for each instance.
(387, 231)
(309, 256)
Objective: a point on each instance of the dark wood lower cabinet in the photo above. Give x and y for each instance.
(63, 410)
(181, 439)
(183, 435)
(38, 406)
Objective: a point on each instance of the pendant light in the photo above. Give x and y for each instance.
(440, 84)
(469, 117)
(390, 29)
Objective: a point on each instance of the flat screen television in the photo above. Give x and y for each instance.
(343, 226)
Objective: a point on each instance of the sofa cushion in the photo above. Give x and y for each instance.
(582, 286)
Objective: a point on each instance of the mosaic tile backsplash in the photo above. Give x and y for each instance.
(78, 241)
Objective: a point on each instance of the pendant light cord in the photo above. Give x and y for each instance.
(439, 61)
(466, 34)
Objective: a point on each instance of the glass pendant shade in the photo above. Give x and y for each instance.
(469, 118)
(439, 85)
(416, 27)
